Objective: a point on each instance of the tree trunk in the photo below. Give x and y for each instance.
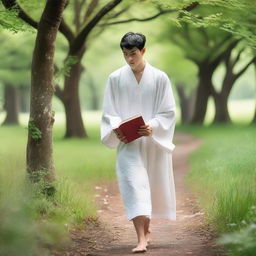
(186, 104)
(221, 98)
(24, 92)
(70, 98)
(221, 108)
(11, 105)
(203, 93)
(254, 118)
(39, 146)
(95, 98)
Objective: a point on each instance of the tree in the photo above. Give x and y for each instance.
(95, 99)
(206, 48)
(14, 59)
(11, 105)
(221, 97)
(235, 16)
(84, 24)
(24, 94)
(39, 146)
(254, 117)
(87, 16)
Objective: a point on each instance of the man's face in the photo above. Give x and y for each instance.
(133, 57)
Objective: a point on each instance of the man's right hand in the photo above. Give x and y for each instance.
(121, 137)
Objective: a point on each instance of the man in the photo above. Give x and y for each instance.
(144, 166)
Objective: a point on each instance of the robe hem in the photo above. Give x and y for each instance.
(132, 216)
(161, 216)
(154, 216)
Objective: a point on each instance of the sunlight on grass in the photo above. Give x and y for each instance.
(223, 173)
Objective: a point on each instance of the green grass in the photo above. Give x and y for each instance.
(26, 215)
(224, 173)
(83, 159)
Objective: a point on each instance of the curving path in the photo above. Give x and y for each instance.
(115, 235)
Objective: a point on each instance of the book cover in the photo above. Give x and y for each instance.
(129, 127)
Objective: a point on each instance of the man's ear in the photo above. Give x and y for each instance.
(143, 50)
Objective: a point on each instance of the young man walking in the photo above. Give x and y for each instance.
(143, 166)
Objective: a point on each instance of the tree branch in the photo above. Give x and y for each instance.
(59, 93)
(77, 8)
(213, 91)
(93, 4)
(218, 45)
(115, 15)
(66, 31)
(238, 57)
(161, 12)
(190, 7)
(9, 4)
(138, 19)
(245, 68)
(80, 39)
(63, 28)
(227, 58)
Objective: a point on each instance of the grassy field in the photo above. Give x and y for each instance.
(224, 177)
(80, 166)
(224, 172)
(82, 162)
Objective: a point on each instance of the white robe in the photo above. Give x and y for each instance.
(144, 166)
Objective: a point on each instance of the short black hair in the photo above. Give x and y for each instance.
(130, 40)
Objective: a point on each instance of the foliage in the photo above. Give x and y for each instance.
(39, 178)
(16, 57)
(65, 70)
(34, 131)
(243, 241)
(9, 20)
(33, 7)
(200, 44)
(174, 4)
(234, 16)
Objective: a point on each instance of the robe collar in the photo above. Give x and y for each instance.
(143, 74)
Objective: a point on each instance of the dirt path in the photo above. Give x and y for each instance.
(188, 235)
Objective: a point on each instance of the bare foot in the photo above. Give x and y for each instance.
(141, 247)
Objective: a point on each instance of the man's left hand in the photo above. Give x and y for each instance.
(145, 130)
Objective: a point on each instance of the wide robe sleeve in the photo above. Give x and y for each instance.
(110, 118)
(163, 124)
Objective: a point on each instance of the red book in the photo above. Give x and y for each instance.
(129, 127)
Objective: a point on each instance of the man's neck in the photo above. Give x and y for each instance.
(140, 67)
